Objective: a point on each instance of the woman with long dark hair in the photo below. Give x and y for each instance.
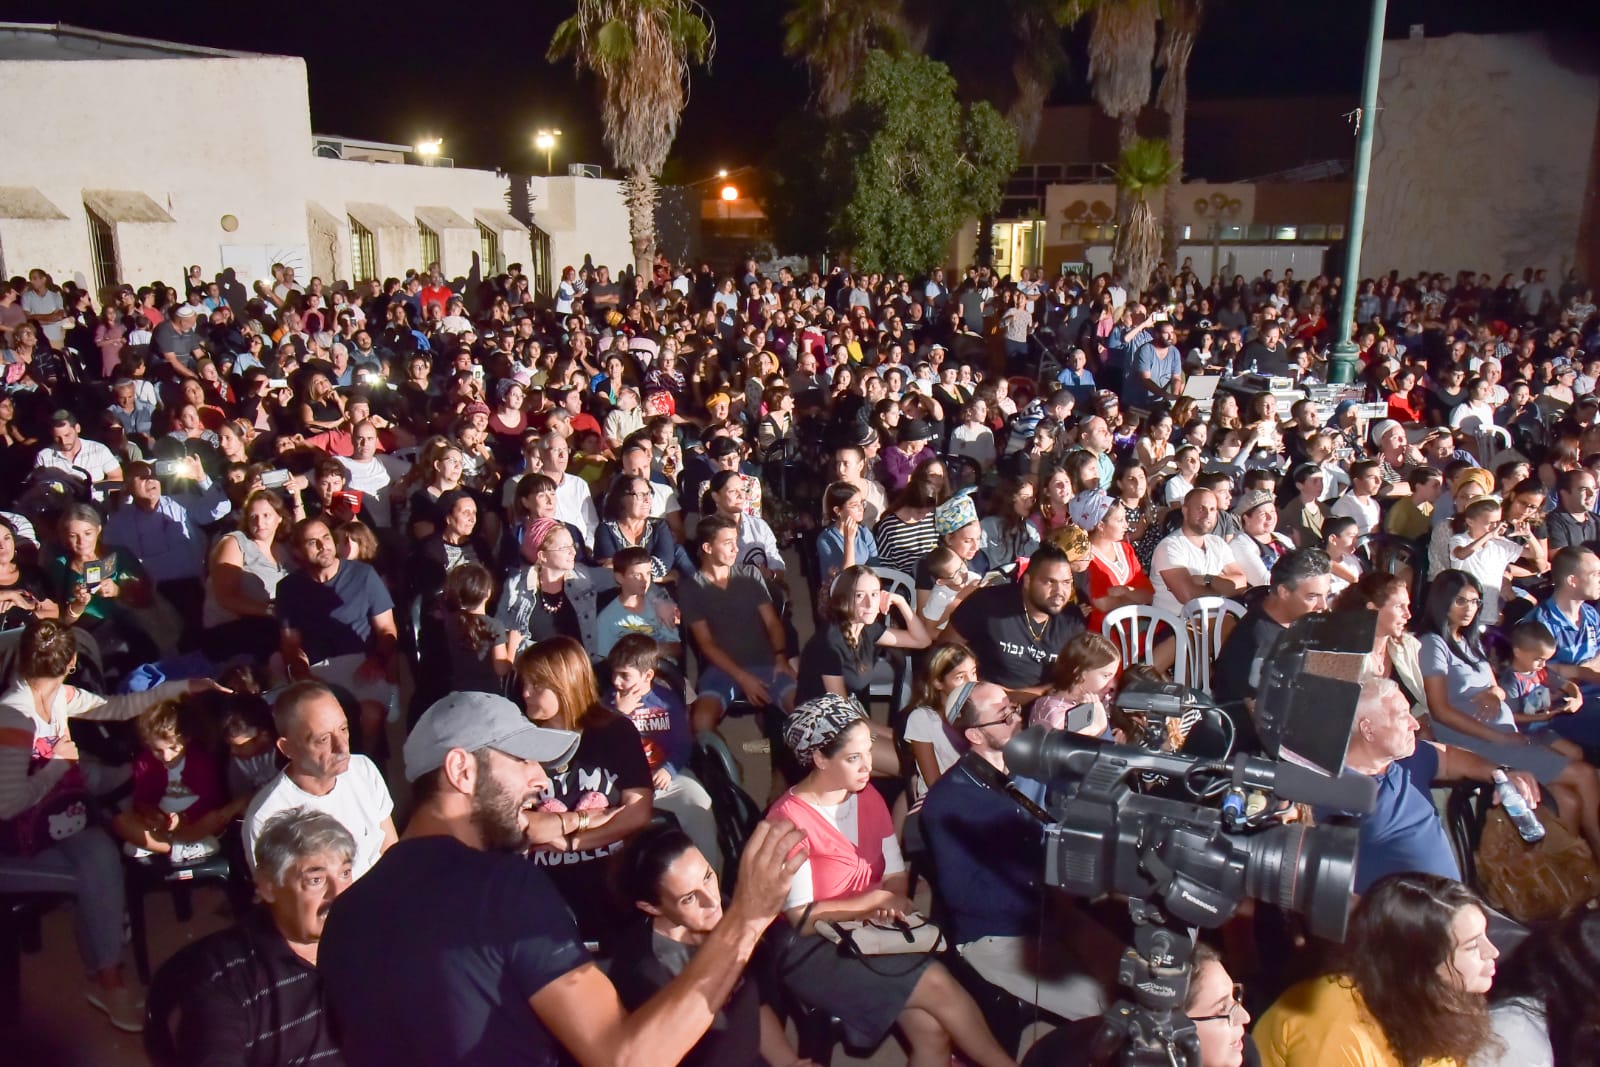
(1413, 991)
(1469, 709)
(1546, 1005)
(663, 875)
(906, 532)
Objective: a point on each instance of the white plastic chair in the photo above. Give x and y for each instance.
(1202, 622)
(1135, 628)
(889, 681)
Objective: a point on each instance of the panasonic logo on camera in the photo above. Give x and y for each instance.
(1159, 989)
(1207, 905)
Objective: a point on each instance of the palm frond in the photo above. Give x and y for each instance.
(1144, 166)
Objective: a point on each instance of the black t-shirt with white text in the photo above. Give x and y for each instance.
(610, 759)
(1012, 650)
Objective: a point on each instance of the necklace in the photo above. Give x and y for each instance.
(551, 602)
(1035, 634)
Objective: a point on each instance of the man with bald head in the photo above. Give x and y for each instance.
(988, 852)
(1193, 561)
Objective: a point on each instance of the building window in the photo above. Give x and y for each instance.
(430, 245)
(103, 251)
(489, 243)
(1285, 233)
(1314, 233)
(363, 252)
(539, 274)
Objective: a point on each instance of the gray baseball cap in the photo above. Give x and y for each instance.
(474, 721)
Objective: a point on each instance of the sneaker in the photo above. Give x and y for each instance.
(186, 852)
(122, 1007)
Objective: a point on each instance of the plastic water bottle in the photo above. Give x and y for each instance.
(1522, 817)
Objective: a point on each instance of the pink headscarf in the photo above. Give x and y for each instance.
(534, 533)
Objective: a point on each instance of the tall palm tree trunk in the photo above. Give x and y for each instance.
(1180, 27)
(640, 191)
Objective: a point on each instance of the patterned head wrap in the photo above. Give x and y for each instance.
(1088, 508)
(954, 514)
(1073, 541)
(817, 722)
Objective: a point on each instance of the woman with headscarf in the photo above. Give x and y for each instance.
(552, 594)
(1115, 577)
(854, 870)
(956, 523)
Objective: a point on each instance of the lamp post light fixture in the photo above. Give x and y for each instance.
(429, 150)
(730, 192)
(545, 141)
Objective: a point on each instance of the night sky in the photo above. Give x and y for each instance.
(380, 73)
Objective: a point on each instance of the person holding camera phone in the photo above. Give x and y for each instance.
(99, 587)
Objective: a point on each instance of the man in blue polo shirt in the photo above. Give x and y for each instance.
(988, 855)
(1575, 624)
(1403, 832)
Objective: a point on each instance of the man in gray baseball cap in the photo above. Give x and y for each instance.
(476, 722)
(456, 949)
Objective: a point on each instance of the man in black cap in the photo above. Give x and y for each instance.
(455, 950)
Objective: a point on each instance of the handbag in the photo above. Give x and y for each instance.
(915, 935)
(63, 812)
(1547, 880)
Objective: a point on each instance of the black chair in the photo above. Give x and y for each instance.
(1465, 812)
(163, 996)
(20, 917)
(736, 813)
(144, 877)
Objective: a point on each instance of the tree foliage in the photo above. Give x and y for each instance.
(832, 38)
(901, 169)
(1142, 173)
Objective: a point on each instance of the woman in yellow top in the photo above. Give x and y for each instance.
(1414, 992)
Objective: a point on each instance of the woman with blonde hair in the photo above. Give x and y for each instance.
(601, 797)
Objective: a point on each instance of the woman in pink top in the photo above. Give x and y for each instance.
(110, 336)
(855, 871)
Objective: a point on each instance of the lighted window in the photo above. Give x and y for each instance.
(1285, 233)
(363, 252)
(429, 240)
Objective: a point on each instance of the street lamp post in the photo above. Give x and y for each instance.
(545, 141)
(1342, 359)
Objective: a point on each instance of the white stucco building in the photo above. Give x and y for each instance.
(251, 186)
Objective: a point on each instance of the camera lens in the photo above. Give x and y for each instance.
(1305, 871)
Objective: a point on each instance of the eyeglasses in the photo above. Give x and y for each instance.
(1013, 711)
(1235, 1005)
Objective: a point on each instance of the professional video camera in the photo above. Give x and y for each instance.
(1185, 864)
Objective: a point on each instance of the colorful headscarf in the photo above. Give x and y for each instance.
(534, 534)
(817, 722)
(954, 514)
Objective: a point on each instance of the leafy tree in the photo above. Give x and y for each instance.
(912, 164)
(641, 51)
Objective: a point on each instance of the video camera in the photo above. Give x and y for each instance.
(1184, 863)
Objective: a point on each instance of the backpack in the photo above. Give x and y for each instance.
(1547, 880)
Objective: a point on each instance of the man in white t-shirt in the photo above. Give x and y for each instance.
(1193, 561)
(372, 473)
(323, 775)
(43, 305)
(76, 454)
(574, 501)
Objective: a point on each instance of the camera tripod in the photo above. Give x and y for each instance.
(1150, 1030)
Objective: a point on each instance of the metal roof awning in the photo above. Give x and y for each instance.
(124, 205)
(378, 217)
(496, 219)
(26, 202)
(440, 219)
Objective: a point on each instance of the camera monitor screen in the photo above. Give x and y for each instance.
(1310, 683)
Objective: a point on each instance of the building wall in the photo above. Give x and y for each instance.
(1481, 157)
(74, 143)
(284, 204)
(583, 216)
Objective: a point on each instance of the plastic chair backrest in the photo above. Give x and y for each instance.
(1135, 629)
(895, 581)
(1202, 620)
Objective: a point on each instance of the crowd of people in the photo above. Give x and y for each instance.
(555, 543)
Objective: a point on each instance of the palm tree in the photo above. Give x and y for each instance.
(1142, 173)
(833, 37)
(1180, 24)
(641, 51)
(1122, 44)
